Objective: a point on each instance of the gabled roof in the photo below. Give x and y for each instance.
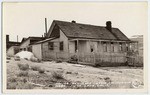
(23, 39)
(77, 30)
(33, 39)
(42, 41)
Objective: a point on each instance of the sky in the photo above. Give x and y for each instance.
(28, 18)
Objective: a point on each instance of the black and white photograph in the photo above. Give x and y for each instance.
(75, 46)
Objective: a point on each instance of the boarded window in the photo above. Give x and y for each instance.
(104, 46)
(51, 45)
(61, 46)
(112, 47)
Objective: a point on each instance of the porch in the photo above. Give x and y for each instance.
(96, 52)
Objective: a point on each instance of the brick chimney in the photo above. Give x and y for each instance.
(73, 21)
(108, 26)
(7, 38)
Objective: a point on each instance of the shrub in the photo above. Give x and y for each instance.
(38, 60)
(58, 60)
(26, 58)
(107, 80)
(73, 59)
(12, 79)
(35, 68)
(23, 67)
(34, 59)
(22, 85)
(8, 58)
(57, 75)
(11, 85)
(41, 70)
(17, 58)
(23, 74)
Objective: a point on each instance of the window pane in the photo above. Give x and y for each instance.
(112, 47)
(51, 46)
(104, 47)
(61, 46)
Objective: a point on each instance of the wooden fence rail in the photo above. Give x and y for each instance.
(97, 58)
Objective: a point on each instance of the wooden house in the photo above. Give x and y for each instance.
(90, 43)
(12, 50)
(11, 43)
(12, 47)
(25, 43)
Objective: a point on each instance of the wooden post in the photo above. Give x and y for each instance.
(137, 48)
(78, 50)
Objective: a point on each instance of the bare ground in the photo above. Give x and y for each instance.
(74, 76)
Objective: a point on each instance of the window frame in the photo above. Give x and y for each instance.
(61, 46)
(104, 46)
(112, 48)
(120, 47)
(51, 45)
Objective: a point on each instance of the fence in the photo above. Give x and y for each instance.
(101, 59)
(57, 55)
(135, 60)
(107, 59)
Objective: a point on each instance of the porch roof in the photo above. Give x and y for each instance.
(48, 39)
(83, 39)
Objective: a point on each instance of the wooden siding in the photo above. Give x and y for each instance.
(65, 41)
(25, 44)
(12, 50)
(37, 51)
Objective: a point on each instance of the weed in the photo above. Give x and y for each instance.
(11, 85)
(59, 61)
(23, 74)
(12, 79)
(23, 67)
(57, 75)
(35, 68)
(17, 58)
(41, 70)
(8, 58)
(26, 58)
(22, 85)
(73, 59)
(34, 59)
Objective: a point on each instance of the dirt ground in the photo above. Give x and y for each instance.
(82, 76)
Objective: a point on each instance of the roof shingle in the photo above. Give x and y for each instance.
(89, 31)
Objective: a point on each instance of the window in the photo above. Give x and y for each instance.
(20, 49)
(61, 46)
(120, 47)
(30, 48)
(75, 46)
(92, 48)
(24, 49)
(51, 45)
(104, 46)
(127, 47)
(112, 47)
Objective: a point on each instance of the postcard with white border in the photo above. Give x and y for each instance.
(75, 47)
